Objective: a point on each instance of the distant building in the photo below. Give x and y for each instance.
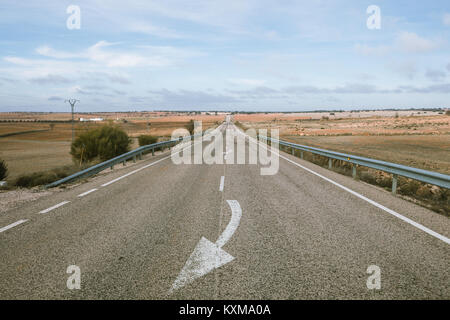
(91, 119)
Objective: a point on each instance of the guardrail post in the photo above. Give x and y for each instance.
(330, 163)
(301, 154)
(354, 171)
(140, 156)
(124, 163)
(292, 150)
(394, 183)
(153, 151)
(112, 167)
(134, 159)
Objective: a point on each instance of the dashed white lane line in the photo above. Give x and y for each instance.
(12, 225)
(54, 207)
(376, 204)
(148, 165)
(222, 181)
(87, 192)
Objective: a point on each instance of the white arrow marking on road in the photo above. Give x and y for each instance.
(236, 214)
(208, 256)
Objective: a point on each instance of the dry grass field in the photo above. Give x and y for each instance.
(430, 152)
(46, 147)
(40, 142)
(409, 138)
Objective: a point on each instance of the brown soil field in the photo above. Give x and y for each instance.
(115, 116)
(6, 128)
(421, 141)
(31, 152)
(416, 140)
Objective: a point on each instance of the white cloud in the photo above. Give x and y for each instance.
(50, 79)
(369, 51)
(162, 32)
(446, 19)
(231, 15)
(412, 43)
(115, 59)
(272, 35)
(51, 53)
(19, 61)
(29, 69)
(99, 53)
(435, 75)
(406, 69)
(186, 98)
(103, 61)
(246, 82)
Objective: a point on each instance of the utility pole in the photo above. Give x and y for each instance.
(72, 106)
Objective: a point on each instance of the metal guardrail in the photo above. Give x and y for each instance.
(133, 154)
(434, 178)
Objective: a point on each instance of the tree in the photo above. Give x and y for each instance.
(104, 143)
(147, 139)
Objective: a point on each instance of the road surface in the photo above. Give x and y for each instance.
(157, 230)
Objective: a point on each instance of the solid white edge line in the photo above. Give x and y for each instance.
(376, 204)
(222, 181)
(12, 225)
(87, 192)
(134, 171)
(54, 207)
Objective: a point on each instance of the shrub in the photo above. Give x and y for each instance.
(447, 112)
(368, 177)
(385, 182)
(45, 177)
(105, 142)
(408, 187)
(424, 192)
(3, 170)
(147, 139)
(35, 179)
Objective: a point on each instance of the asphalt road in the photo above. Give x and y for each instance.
(292, 235)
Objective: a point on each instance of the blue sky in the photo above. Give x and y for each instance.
(224, 55)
